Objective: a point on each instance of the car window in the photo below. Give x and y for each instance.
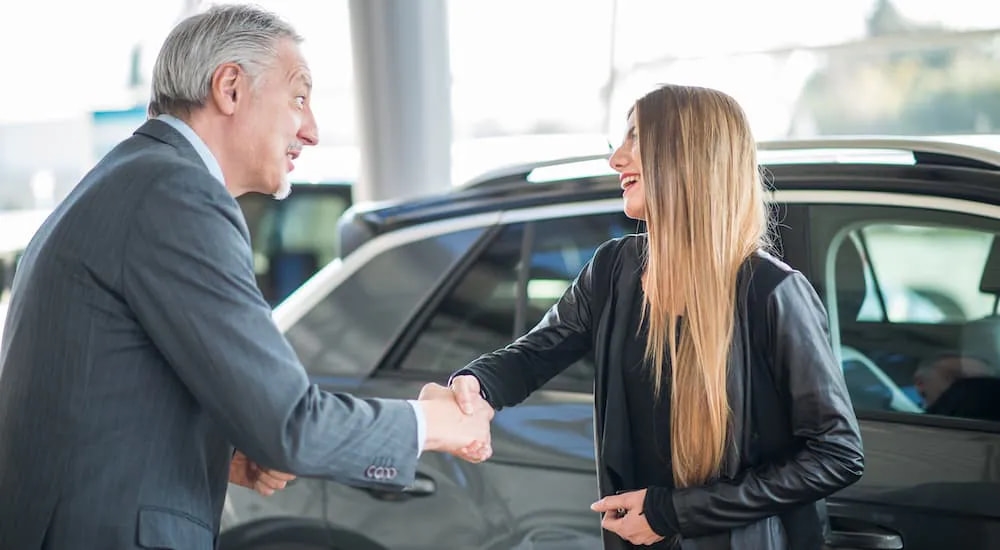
(293, 238)
(508, 289)
(912, 297)
(350, 329)
(915, 267)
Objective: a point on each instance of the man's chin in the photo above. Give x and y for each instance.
(284, 190)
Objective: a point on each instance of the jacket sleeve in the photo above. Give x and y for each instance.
(507, 376)
(188, 277)
(829, 457)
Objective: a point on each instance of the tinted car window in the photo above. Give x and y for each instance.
(912, 294)
(927, 274)
(351, 328)
(293, 238)
(509, 288)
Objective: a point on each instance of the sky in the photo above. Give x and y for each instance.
(516, 61)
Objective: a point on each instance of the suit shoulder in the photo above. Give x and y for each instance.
(173, 174)
(143, 159)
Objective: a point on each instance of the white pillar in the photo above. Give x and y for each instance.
(403, 82)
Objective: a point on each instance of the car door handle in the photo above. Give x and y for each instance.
(422, 486)
(862, 540)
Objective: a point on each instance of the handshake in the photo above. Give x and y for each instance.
(458, 419)
(457, 422)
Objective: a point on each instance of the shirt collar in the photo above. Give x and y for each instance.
(199, 145)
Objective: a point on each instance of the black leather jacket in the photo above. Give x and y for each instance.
(795, 439)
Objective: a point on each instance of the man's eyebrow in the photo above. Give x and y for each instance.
(304, 79)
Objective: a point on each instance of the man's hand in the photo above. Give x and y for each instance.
(623, 516)
(246, 473)
(450, 430)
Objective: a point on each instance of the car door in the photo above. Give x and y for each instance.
(536, 490)
(339, 330)
(905, 278)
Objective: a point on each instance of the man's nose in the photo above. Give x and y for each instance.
(309, 131)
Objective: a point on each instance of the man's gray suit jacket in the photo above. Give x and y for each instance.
(138, 352)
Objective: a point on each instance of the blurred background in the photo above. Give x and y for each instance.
(529, 78)
(525, 80)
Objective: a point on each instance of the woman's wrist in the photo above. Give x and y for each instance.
(658, 507)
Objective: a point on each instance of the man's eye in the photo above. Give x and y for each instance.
(300, 101)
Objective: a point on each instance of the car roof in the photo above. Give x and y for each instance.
(842, 162)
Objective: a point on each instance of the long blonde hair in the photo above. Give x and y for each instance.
(706, 214)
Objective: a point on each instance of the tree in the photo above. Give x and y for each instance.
(916, 89)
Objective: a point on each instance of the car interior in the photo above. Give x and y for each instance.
(881, 359)
(981, 337)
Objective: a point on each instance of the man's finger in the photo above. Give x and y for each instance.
(263, 489)
(271, 481)
(432, 391)
(276, 475)
(485, 453)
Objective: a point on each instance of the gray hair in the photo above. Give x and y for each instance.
(198, 45)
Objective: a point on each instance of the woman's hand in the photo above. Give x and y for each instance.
(468, 395)
(467, 392)
(623, 516)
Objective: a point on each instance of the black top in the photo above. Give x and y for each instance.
(649, 421)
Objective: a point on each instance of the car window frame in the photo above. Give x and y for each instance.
(925, 201)
(391, 362)
(409, 336)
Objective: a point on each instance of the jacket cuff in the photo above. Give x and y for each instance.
(658, 507)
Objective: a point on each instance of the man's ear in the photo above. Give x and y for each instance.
(226, 87)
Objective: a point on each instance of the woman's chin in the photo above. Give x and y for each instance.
(636, 212)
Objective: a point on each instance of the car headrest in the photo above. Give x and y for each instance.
(990, 283)
(850, 273)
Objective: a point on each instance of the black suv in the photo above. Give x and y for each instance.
(899, 238)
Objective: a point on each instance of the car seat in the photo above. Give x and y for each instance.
(981, 337)
(869, 386)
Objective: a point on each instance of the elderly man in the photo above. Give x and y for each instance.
(139, 353)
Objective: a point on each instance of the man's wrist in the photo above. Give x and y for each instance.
(418, 412)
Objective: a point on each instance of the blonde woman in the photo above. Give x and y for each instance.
(722, 418)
